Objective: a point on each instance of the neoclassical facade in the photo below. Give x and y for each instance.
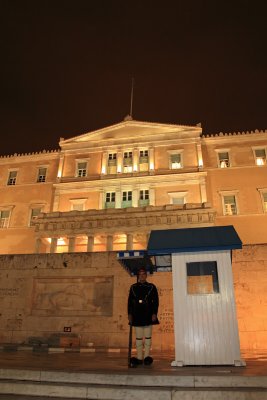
(106, 190)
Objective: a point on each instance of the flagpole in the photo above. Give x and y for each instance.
(131, 107)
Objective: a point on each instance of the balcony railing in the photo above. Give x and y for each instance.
(127, 161)
(143, 203)
(110, 204)
(143, 160)
(126, 203)
(112, 163)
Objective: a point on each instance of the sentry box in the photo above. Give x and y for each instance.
(205, 322)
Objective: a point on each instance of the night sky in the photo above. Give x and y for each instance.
(66, 66)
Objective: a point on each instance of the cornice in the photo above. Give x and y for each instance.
(131, 144)
(222, 135)
(25, 157)
(159, 180)
(254, 166)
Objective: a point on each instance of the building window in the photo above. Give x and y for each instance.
(4, 218)
(143, 156)
(175, 161)
(12, 178)
(143, 160)
(178, 198)
(126, 199)
(230, 207)
(41, 174)
(223, 158)
(34, 214)
(110, 200)
(263, 194)
(264, 201)
(112, 159)
(112, 156)
(264, 198)
(127, 161)
(260, 156)
(78, 207)
(81, 169)
(144, 198)
(112, 163)
(78, 204)
(128, 155)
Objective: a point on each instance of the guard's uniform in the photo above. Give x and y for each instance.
(143, 302)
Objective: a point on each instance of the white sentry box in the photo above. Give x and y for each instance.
(205, 322)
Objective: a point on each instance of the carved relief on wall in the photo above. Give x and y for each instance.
(8, 292)
(87, 296)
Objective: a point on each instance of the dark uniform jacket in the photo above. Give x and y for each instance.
(143, 301)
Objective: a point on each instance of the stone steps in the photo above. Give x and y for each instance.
(134, 385)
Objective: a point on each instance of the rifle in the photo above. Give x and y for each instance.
(130, 346)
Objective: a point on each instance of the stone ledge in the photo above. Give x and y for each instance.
(42, 349)
(130, 379)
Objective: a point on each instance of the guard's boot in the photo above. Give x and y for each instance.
(148, 360)
(134, 362)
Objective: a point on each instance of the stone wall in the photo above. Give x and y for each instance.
(43, 293)
(87, 292)
(250, 282)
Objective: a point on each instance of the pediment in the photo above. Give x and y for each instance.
(129, 131)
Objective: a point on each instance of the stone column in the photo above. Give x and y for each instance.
(151, 160)
(135, 198)
(53, 245)
(38, 243)
(199, 156)
(119, 162)
(71, 248)
(60, 167)
(203, 191)
(109, 242)
(151, 196)
(90, 243)
(118, 199)
(101, 200)
(135, 160)
(129, 243)
(56, 201)
(104, 166)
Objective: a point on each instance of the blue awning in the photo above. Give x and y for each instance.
(193, 240)
(163, 243)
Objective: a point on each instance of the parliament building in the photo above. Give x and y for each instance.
(106, 190)
(65, 215)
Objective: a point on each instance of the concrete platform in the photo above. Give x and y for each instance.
(106, 376)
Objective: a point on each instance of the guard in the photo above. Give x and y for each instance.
(143, 303)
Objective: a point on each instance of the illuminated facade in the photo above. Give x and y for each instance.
(106, 190)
